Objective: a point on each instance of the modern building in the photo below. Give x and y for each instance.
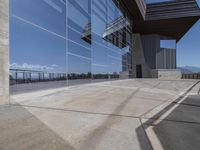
(55, 43)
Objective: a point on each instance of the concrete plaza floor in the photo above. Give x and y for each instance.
(135, 114)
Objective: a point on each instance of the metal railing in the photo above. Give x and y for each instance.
(19, 76)
(191, 76)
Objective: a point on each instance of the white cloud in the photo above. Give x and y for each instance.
(33, 67)
(54, 66)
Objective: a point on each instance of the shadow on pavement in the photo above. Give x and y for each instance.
(179, 130)
(20, 130)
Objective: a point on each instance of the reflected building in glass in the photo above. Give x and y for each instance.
(82, 40)
(67, 42)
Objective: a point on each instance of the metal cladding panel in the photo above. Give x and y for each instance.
(172, 18)
(166, 59)
(151, 44)
(156, 57)
(172, 9)
(142, 7)
(136, 8)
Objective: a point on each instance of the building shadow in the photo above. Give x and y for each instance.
(179, 130)
(22, 130)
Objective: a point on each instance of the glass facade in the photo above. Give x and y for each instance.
(67, 42)
(111, 41)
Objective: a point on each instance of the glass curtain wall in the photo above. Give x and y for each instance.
(37, 44)
(111, 41)
(79, 41)
(57, 43)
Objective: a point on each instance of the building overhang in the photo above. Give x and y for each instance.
(172, 18)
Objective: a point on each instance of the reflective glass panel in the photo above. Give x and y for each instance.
(37, 45)
(42, 13)
(111, 40)
(56, 43)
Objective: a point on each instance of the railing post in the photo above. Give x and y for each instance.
(16, 76)
(23, 80)
(29, 77)
(43, 76)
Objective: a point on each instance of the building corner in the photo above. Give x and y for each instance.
(4, 52)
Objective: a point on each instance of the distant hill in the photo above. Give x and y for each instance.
(189, 69)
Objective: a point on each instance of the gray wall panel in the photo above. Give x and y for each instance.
(172, 9)
(166, 59)
(150, 45)
(156, 57)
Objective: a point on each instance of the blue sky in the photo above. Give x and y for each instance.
(188, 48)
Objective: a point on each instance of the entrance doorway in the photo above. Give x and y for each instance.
(139, 71)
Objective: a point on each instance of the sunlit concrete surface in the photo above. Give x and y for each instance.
(118, 115)
(4, 52)
(37, 86)
(175, 125)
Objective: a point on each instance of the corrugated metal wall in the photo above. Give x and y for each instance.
(166, 59)
(151, 44)
(156, 57)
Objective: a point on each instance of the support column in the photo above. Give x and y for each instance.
(4, 52)
(139, 58)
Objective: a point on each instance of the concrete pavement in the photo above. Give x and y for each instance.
(119, 115)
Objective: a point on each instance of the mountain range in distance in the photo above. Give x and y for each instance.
(189, 69)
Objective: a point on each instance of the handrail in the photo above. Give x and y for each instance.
(19, 76)
(191, 76)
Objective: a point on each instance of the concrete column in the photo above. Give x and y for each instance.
(4, 52)
(138, 57)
